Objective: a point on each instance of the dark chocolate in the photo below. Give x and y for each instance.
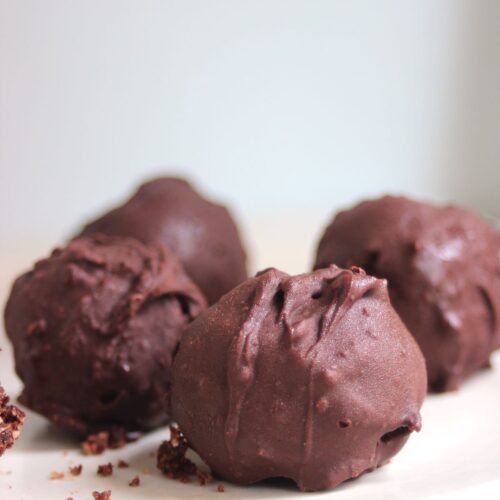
(312, 378)
(202, 234)
(94, 328)
(443, 269)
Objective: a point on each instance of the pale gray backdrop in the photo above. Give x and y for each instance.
(286, 109)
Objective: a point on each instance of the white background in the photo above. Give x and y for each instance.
(286, 110)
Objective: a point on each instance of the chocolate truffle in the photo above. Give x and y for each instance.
(202, 234)
(94, 328)
(11, 421)
(443, 269)
(312, 378)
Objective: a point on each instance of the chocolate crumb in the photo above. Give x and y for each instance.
(103, 495)
(105, 470)
(115, 438)
(122, 464)
(54, 475)
(95, 444)
(76, 470)
(135, 482)
(172, 460)
(203, 477)
(11, 421)
(220, 488)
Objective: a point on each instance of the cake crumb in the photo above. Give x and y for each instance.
(116, 437)
(76, 470)
(101, 495)
(105, 470)
(203, 477)
(122, 464)
(95, 444)
(11, 421)
(172, 460)
(220, 488)
(54, 475)
(136, 481)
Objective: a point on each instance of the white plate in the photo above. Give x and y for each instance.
(456, 455)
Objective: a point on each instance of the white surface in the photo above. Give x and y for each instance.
(286, 105)
(456, 456)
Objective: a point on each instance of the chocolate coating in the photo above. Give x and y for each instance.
(11, 421)
(311, 377)
(443, 269)
(202, 234)
(94, 328)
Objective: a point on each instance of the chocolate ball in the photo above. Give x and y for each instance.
(11, 421)
(312, 378)
(443, 269)
(94, 328)
(202, 234)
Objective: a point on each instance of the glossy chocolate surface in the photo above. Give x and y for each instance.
(202, 234)
(311, 377)
(443, 269)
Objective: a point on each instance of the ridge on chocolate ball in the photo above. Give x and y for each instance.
(11, 421)
(94, 328)
(202, 234)
(443, 269)
(311, 377)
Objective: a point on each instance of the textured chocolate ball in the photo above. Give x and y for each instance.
(11, 421)
(202, 234)
(443, 269)
(312, 377)
(94, 328)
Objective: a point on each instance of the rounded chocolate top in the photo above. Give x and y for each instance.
(443, 269)
(94, 328)
(311, 377)
(202, 234)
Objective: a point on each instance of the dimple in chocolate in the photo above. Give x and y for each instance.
(311, 377)
(443, 269)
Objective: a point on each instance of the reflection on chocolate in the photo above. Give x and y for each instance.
(94, 328)
(443, 269)
(202, 234)
(311, 377)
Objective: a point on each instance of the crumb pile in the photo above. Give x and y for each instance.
(172, 460)
(11, 421)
